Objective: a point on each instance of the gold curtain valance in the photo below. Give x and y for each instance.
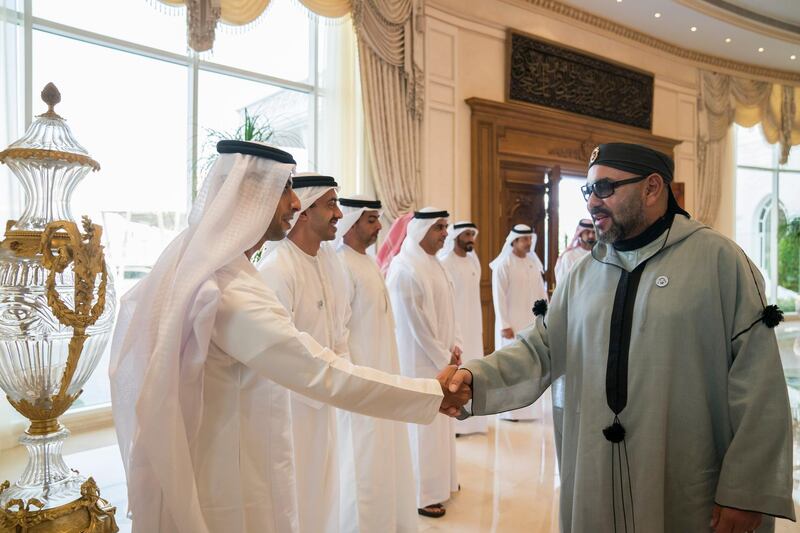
(727, 99)
(203, 15)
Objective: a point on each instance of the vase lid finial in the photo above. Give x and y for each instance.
(51, 96)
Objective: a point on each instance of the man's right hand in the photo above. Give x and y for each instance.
(459, 384)
(507, 333)
(454, 397)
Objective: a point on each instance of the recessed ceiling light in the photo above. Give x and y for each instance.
(761, 49)
(693, 28)
(727, 39)
(657, 15)
(619, 1)
(792, 57)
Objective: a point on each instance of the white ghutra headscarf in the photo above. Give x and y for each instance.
(352, 209)
(452, 234)
(163, 332)
(309, 187)
(520, 230)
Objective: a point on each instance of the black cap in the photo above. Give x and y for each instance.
(633, 158)
(255, 149)
(313, 180)
(641, 160)
(366, 204)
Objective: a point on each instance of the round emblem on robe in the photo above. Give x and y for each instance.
(662, 281)
(594, 155)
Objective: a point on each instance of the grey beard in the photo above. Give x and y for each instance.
(629, 219)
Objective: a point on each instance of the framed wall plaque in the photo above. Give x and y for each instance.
(543, 73)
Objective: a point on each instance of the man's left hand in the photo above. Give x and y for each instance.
(727, 520)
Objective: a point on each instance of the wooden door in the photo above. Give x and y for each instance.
(530, 196)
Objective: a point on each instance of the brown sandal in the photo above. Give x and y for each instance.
(436, 510)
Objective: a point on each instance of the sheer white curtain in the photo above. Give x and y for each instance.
(340, 134)
(11, 91)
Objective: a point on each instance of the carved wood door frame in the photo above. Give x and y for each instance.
(524, 136)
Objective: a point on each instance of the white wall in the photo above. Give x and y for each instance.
(465, 57)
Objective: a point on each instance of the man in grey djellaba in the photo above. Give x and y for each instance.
(669, 401)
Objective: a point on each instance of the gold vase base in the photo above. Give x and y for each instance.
(88, 514)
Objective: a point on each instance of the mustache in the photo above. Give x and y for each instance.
(599, 210)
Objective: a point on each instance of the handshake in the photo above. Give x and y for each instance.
(456, 387)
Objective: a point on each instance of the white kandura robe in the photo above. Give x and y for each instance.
(707, 418)
(567, 261)
(465, 272)
(377, 479)
(517, 284)
(310, 287)
(424, 311)
(242, 451)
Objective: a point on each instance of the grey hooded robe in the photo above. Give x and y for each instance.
(707, 416)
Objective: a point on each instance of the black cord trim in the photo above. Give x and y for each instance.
(621, 489)
(630, 485)
(613, 490)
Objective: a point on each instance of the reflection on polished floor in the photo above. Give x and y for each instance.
(508, 478)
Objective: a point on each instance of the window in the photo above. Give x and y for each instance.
(149, 111)
(768, 214)
(571, 208)
(768, 229)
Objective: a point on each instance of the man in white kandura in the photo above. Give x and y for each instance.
(377, 479)
(669, 399)
(427, 336)
(578, 248)
(517, 284)
(202, 353)
(310, 282)
(464, 268)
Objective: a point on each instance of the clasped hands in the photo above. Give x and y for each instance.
(456, 387)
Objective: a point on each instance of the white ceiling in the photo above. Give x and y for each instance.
(714, 25)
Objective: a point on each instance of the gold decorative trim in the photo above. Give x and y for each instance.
(88, 514)
(623, 31)
(39, 153)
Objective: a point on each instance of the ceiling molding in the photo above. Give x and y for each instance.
(745, 18)
(707, 60)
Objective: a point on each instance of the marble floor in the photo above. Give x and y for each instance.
(508, 478)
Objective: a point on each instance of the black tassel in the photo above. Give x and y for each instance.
(772, 316)
(615, 432)
(540, 307)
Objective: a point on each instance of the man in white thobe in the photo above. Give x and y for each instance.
(517, 284)
(200, 358)
(310, 282)
(464, 268)
(424, 308)
(669, 398)
(578, 248)
(377, 478)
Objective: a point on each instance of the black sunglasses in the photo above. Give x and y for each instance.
(605, 187)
